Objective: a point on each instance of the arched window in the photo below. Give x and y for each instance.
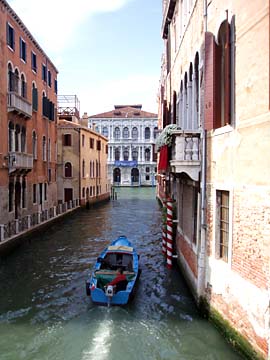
(23, 193)
(196, 90)
(34, 97)
(17, 137)
(44, 149)
(10, 78)
(16, 81)
(147, 133)
(134, 133)
(117, 154)
(23, 87)
(125, 133)
(97, 172)
(117, 133)
(224, 73)
(83, 192)
(68, 169)
(126, 154)
(11, 136)
(97, 129)
(83, 168)
(155, 132)
(147, 154)
(105, 131)
(23, 139)
(185, 104)
(34, 144)
(134, 154)
(49, 149)
(10, 196)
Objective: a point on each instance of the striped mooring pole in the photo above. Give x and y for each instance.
(169, 233)
(164, 240)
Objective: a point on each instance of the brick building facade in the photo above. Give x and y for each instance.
(82, 157)
(28, 98)
(215, 89)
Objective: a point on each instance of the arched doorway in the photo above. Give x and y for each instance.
(134, 175)
(17, 198)
(117, 175)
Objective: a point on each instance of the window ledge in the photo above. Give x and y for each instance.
(223, 130)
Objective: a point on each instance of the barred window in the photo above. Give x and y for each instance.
(222, 224)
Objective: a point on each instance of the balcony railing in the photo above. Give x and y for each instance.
(19, 104)
(19, 161)
(186, 156)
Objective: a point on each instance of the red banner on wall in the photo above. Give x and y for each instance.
(163, 158)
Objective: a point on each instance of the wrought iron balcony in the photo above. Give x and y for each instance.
(20, 162)
(19, 104)
(185, 157)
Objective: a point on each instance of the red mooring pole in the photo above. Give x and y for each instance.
(164, 240)
(169, 233)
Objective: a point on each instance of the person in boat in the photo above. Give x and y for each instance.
(120, 281)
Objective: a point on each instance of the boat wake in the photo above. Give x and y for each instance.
(100, 343)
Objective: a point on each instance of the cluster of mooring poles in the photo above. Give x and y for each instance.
(167, 234)
(113, 193)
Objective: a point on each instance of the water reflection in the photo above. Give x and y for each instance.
(45, 314)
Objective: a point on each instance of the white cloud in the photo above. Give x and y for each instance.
(134, 89)
(54, 22)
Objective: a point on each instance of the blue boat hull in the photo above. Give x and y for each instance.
(120, 253)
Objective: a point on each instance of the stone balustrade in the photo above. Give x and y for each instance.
(185, 156)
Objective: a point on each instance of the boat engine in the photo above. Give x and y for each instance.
(109, 291)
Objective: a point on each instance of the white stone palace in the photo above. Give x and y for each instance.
(131, 133)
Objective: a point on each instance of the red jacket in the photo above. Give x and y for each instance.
(119, 277)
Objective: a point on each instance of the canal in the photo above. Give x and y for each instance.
(45, 313)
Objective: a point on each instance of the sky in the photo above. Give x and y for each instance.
(107, 52)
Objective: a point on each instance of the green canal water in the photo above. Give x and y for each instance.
(46, 315)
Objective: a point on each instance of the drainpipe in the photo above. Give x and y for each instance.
(202, 253)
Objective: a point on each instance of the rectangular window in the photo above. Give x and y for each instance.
(10, 36)
(98, 145)
(222, 224)
(55, 86)
(34, 99)
(34, 193)
(45, 191)
(49, 78)
(44, 72)
(67, 139)
(92, 143)
(40, 193)
(34, 61)
(49, 175)
(22, 49)
(83, 138)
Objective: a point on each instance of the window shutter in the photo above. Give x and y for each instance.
(217, 86)
(35, 99)
(164, 120)
(174, 108)
(232, 70)
(209, 82)
(169, 114)
(7, 29)
(227, 75)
